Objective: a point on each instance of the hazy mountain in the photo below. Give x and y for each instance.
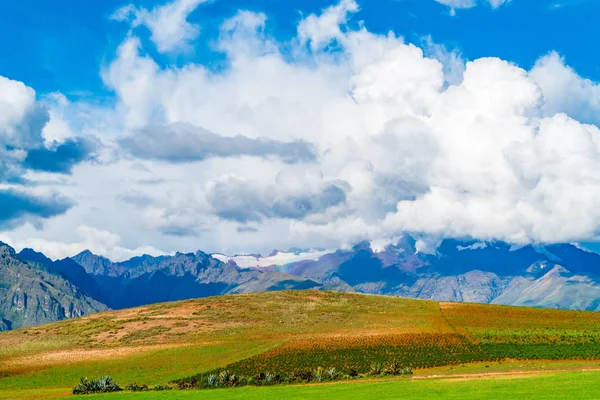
(33, 293)
(146, 279)
(551, 276)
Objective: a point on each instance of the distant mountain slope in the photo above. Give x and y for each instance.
(31, 293)
(146, 280)
(560, 276)
(68, 269)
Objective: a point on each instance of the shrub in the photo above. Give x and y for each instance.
(161, 387)
(104, 384)
(188, 383)
(393, 368)
(376, 369)
(134, 387)
(301, 375)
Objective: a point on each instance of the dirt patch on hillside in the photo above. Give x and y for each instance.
(447, 305)
(82, 355)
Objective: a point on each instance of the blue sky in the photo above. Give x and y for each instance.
(60, 45)
(297, 124)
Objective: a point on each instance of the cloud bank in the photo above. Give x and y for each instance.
(335, 136)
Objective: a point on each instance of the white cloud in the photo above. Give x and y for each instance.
(457, 4)
(95, 240)
(276, 259)
(320, 30)
(168, 24)
(21, 116)
(417, 140)
(565, 91)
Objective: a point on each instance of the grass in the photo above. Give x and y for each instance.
(149, 367)
(573, 385)
(163, 342)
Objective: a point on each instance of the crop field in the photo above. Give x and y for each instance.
(358, 354)
(284, 332)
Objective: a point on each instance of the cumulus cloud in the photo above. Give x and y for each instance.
(423, 141)
(168, 23)
(565, 91)
(410, 138)
(22, 118)
(23, 145)
(182, 142)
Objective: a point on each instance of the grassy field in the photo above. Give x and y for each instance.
(195, 336)
(573, 385)
(287, 330)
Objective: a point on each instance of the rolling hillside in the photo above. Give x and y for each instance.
(555, 276)
(164, 342)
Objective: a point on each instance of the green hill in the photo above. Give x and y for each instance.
(284, 331)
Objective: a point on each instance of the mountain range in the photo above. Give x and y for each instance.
(35, 289)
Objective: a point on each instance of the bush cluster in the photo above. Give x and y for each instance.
(134, 387)
(225, 378)
(105, 384)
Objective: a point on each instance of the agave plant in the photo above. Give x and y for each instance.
(333, 373)
(82, 386)
(319, 374)
(269, 378)
(107, 384)
(224, 376)
(407, 371)
(212, 381)
(103, 385)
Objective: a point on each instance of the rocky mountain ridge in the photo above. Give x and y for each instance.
(33, 293)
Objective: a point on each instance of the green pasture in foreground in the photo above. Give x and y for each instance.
(566, 385)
